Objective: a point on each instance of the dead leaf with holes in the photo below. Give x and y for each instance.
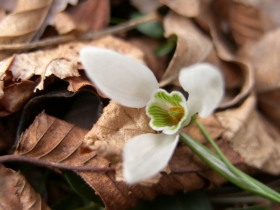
(16, 193)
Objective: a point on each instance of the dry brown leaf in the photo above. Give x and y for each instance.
(63, 62)
(192, 45)
(22, 24)
(188, 172)
(233, 67)
(90, 15)
(64, 24)
(252, 136)
(15, 96)
(119, 124)
(16, 193)
(263, 55)
(250, 20)
(187, 8)
(146, 6)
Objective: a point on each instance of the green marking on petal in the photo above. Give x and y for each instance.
(167, 111)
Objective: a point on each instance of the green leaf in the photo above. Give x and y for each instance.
(152, 29)
(81, 187)
(165, 48)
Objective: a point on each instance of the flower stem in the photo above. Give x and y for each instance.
(220, 164)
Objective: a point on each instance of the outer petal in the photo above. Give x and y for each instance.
(121, 78)
(205, 86)
(145, 155)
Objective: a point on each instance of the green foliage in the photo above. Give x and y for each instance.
(152, 29)
(81, 187)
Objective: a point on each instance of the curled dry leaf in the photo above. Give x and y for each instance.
(187, 171)
(22, 24)
(15, 96)
(192, 45)
(63, 62)
(187, 8)
(233, 67)
(16, 193)
(64, 24)
(56, 7)
(254, 138)
(263, 55)
(250, 20)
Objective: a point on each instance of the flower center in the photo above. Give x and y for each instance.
(176, 113)
(167, 111)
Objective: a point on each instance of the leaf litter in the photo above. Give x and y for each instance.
(241, 41)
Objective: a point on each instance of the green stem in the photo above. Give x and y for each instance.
(251, 181)
(234, 175)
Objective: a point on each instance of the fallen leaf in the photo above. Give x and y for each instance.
(119, 124)
(56, 7)
(236, 67)
(250, 20)
(192, 45)
(187, 8)
(16, 193)
(146, 6)
(22, 24)
(64, 24)
(187, 171)
(15, 96)
(249, 132)
(262, 55)
(90, 15)
(63, 62)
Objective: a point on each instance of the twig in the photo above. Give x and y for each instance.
(18, 158)
(87, 36)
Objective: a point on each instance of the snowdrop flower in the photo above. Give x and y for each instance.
(132, 84)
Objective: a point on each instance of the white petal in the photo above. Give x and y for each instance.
(205, 86)
(120, 77)
(145, 155)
